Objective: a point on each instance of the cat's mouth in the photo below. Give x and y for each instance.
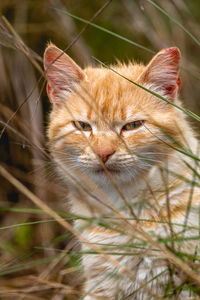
(111, 170)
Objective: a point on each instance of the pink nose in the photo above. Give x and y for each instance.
(104, 153)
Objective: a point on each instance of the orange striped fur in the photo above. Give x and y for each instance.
(124, 165)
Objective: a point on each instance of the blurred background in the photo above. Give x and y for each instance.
(31, 243)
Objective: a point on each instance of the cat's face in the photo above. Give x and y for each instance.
(100, 120)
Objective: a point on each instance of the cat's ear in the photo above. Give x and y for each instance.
(161, 75)
(62, 74)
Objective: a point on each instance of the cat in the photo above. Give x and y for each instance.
(126, 155)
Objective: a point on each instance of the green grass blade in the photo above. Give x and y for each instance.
(28, 265)
(175, 21)
(26, 224)
(120, 37)
(32, 211)
(107, 31)
(22, 210)
(79, 217)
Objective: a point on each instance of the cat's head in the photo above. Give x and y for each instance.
(99, 119)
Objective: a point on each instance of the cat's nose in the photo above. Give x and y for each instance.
(104, 153)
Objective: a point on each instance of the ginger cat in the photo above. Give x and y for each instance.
(126, 156)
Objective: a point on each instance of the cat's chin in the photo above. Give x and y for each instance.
(103, 178)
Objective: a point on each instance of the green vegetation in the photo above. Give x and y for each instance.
(39, 257)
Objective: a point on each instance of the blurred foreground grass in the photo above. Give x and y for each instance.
(36, 257)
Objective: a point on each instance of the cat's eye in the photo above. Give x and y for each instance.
(82, 126)
(133, 125)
